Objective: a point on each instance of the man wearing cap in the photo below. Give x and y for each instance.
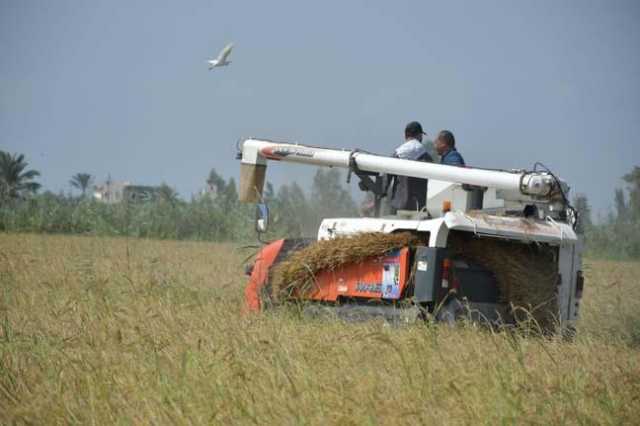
(409, 193)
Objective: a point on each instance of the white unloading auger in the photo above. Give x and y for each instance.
(256, 152)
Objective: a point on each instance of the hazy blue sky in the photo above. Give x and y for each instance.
(122, 87)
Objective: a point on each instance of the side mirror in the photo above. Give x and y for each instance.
(262, 218)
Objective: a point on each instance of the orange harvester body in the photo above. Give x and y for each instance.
(260, 274)
(382, 277)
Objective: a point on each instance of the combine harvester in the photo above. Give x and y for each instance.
(494, 245)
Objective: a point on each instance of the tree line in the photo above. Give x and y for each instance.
(617, 235)
(219, 216)
(214, 216)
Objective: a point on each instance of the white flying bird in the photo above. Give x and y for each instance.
(221, 60)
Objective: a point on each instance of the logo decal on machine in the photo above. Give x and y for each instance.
(369, 287)
(280, 151)
(391, 280)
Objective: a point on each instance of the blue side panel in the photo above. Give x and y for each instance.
(391, 276)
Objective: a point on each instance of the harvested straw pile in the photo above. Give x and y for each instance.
(527, 274)
(296, 274)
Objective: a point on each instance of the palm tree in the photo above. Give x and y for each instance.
(15, 181)
(81, 181)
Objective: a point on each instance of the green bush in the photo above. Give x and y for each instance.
(219, 217)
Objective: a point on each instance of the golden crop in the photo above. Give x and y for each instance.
(103, 331)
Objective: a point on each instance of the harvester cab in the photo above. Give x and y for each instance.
(495, 246)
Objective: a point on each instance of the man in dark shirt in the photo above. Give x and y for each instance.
(445, 145)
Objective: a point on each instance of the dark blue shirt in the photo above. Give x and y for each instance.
(452, 158)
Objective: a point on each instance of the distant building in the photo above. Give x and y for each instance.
(211, 190)
(140, 193)
(117, 191)
(110, 191)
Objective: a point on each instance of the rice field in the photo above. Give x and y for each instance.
(128, 331)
